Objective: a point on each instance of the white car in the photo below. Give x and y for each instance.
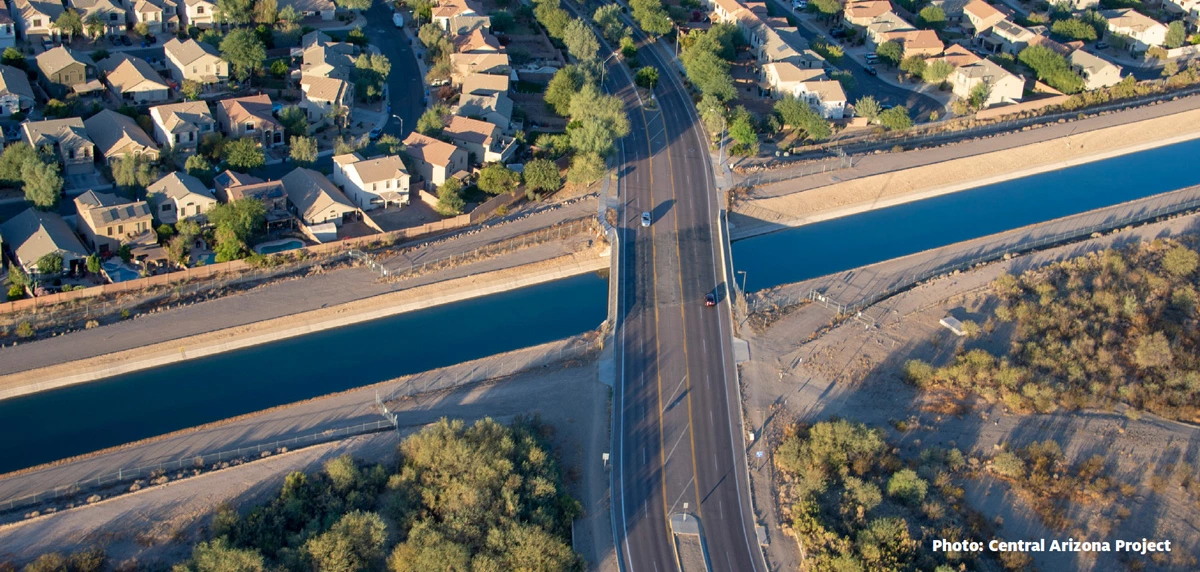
(646, 219)
(398, 19)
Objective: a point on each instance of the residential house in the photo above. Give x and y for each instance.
(981, 16)
(1008, 37)
(825, 97)
(315, 199)
(435, 161)
(325, 98)
(958, 56)
(159, 16)
(61, 70)
(179, 196)
(250, 116)
(110, 13)
(1096, 72)
(8, 29)
(485, 84)
(884, 24)
(726, 10)
(861, 14)
(328, 59)
(133, 80)
(1188, 10)
(198, 13)
(69, 140)
(196, 61)
(107, 221)
(923, 43)
(1142, 32)
(482, 140)
(15, 92)
(478, 41)
(467, 64)
(118, 135)
(783, 44)
(782, 78)
(448, 9)
(231, 186)
(182, 125)
(1003, 87)
(372, 183)
(495, 108)
(36, 18)
(1081, 5)
(952, 8)
(34, 234)
(323, 9)
(460, 25)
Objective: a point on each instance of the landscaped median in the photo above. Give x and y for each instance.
(81, 371)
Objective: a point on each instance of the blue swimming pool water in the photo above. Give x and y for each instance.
(292, 244)
(118, 273)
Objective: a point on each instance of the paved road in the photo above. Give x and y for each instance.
(406, 87)
(678, 442)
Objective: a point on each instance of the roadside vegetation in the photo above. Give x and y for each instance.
(1106, 328)
(855, 505)
(478, 497)
(1042, 477)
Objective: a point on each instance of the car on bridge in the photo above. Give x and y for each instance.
(646, 219)
(710, 299)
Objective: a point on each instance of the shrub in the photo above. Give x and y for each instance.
(25, 330)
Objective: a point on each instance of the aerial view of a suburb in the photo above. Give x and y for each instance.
(599, 285)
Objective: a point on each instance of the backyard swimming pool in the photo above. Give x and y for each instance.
(118, 272)
(279, 246)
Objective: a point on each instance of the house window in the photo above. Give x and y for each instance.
(108, 230)
(207, 68)
(193, 69)
(176, 137)
(199, 9)
(388, 184)
(167, 207)
(112, 17)
(37, 22)
(374, 186)
(120, 229)
(249, 126)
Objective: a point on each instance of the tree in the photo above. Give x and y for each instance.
(244, 52)
(266, 12)
(798, 114)
(370, 73)
(562, 87)
(868, 107)
(94, 25)
(629, 49)
(70, 22)
(433, 120)
(1176, 35)
(896, 119)
(12, 159)
(932, 17)
(220, 556)
(542, 175)
(552, 17)
(741, 130)
(43, 184)
(13, 57)
(651, 16)
(1073, 29)
(294, 121)
(914, 65)
(357, 5)
(289, 15)
(608, 19)
(1052, 68)
(93, 263)
(891, 52)
(979, 95)
(937, 71)
(1152, 351)
(712, 114)
(907, 486)
(707, 69)
(235, 223)
(50, 264)
(353, 543)
(389, 144)
(197, 165)
(450, 201)
(133, 172)
(191, 89)
(580, 41)
(496, 179)
(235, 11)
(244, 154)
(303, 150)
(586, 168)
(1180, 261)
(647, 77)
(827, 8)
(597, 120)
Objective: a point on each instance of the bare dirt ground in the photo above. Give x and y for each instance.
(157, 524)
(854, 372)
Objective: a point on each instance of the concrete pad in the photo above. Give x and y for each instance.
(741, 350)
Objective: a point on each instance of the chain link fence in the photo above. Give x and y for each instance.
(778, 299)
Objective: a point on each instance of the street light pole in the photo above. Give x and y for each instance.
(604, 67)
(401, 120)
(743, 273)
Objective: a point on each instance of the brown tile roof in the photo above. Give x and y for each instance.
(189, 51)
(428, 149)
(111, 131)
(242, 109)
(129, 72)
(957, 56)
(470, 130)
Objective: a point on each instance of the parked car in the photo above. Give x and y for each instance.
(838, 33)
(710, 299)
(646, 219)
(126, 41)
(886, 106)
(871, 70)
(376, 133)
(152, 38)
(47, 44)
(1101, 45)
(872, 58)
(398, 19)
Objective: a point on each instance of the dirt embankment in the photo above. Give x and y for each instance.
(908, 185)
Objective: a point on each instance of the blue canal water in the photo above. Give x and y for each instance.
(840, 244)
(70, 421)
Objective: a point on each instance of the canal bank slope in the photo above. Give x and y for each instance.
(197, 346)
(760, 216)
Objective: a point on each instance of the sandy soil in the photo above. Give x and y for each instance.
(158, 523)
(853, 372)
(878, 191)
(691, 554)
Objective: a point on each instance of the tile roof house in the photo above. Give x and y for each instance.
(1003, 87)
(1143, 31)
(133, 80)
(485, 84)
(981, 16)
(36, 17)
(466, 24)
(69, 140)
(8, 29)
(328, 59)
(324, 9)
(957, 55)
(196, 61)
(496, 109)
(159, 16)
(372, 183)
(467, 64)
(781, 78)
(110, 13)
(1096, 72)
(478, 42)
(323, 98)
(315, 199)
(952, 8)
(1188, 9)
(862, 13)
(15, 92)
(181, 125)
(107, 221)
(884, 24)
(198, 13)
(924, 43)
(118, 135)
(179, 196)
(61, 70)
(481, 140)
(435, 161)
(825, 97)
(447, 9)
(1009, 37)
(231, 186)
(250, 116)
(35, 233)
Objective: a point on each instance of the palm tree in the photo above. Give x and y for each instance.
(94, 25)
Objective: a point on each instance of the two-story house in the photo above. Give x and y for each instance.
(181, 125)
(133, 80)
(861, 14)
(198, 13)
(435, 161)
(107, 221)
(782, 78)
(1008, 37)
(231, 186)
(8, 29)
(372, 183)
(118, 135)
(196, 61)
(15, 92)
(1003, 87)
(1097, 72)
(467, 64)
(35, 233)
(315, 199)
(250, 116)
(482, 140)
(478, 42)
(326, 99)
(1140, 32)
(826, 97)
(108, 12)
(159, 16)
(179, 196)
(35, 19)
(923, 43)
(1188, 10)
(67, 138)
(61, 71)
(448, 9)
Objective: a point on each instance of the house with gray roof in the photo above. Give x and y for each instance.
(107, 221)
(15, 92)
(118, 135)
(315, 199)
(1097, 72)
(68, 138)
(179, 196)
(34, 233)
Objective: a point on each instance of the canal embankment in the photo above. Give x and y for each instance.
(754, 217)
(290, 326)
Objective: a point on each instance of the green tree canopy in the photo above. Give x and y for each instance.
(70, 22)
(303, 150)
(244, 153)
(1176, 35)
(580, 41)
(133, 172)
(651, 16)
(937, 71)
(1073, 29)
(914, 65)
(450, 201)
(868, 107)
(433, 120)
(495, 179)
(357, 5)
(1052, 68)
(797, 114)
(235, 11)
(241, 218)
(43, 183)
(219, 556)
(890, 52)
(50, 263)
(542, 175)
(646, 77)
(562, 87)
(598, 120)
(586, 168)
(355, 542)
(608, 19)
(932, 17)
(244, 51)
(896, 118)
